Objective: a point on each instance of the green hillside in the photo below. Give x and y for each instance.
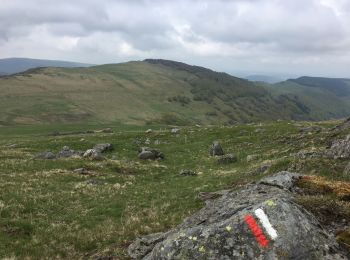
(150, 91)
(324, 97)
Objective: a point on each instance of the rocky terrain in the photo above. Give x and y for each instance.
(263, 190)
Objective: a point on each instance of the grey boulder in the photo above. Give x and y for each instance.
(225, 229)
(175, 130)
(146, 153)
(66, 152)
(216, 149)
(93, 155)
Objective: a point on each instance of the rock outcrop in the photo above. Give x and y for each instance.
(340, 149)
(259, 221)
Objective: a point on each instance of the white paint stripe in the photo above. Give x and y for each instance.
(266, 223)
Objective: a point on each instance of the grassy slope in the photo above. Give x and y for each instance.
(321, 102)
(46, 210)
(135, 92)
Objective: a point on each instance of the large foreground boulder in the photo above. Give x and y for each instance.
(259, 221)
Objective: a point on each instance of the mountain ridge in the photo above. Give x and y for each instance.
(151, 91)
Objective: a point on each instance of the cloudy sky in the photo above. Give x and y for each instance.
(296, 37)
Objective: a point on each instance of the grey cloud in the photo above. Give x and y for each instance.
(226, 31)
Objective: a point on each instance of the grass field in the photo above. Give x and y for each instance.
(48, 211)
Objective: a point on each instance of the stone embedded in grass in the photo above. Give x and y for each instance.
(216, 149)
(303, 154)
(103, 147)
(66, 152)
(82, 171)
(147, 141)
(252, 157)
(188, 173)
(227, 159)
(93, 155)
(107, 130)
(146, 153)
(175, 130)
(45, 155)
(148, 131)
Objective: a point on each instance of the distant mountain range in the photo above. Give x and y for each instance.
(163, 92)
(16, 65)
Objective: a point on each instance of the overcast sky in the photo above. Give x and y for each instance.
(296, 37)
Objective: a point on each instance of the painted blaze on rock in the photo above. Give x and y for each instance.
(260, 221)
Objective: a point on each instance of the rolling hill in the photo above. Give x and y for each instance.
(150, 91)
(16, 65)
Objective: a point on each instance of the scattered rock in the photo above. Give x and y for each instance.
(339, 149)
(45, 155)
(82, 171)
(252, 157)
(147, 141)
(137, 141)
(94, 182)
(224, 228)
(107, 130)
(157, 142)
(175, 130)
(148, 131)
(303, 154)
(103, 147)
(93, 154)
(216, 149)
(66, 152)
(146, 153)
(227, 159)
(188, 173)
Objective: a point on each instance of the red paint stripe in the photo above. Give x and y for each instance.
(255, 228)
